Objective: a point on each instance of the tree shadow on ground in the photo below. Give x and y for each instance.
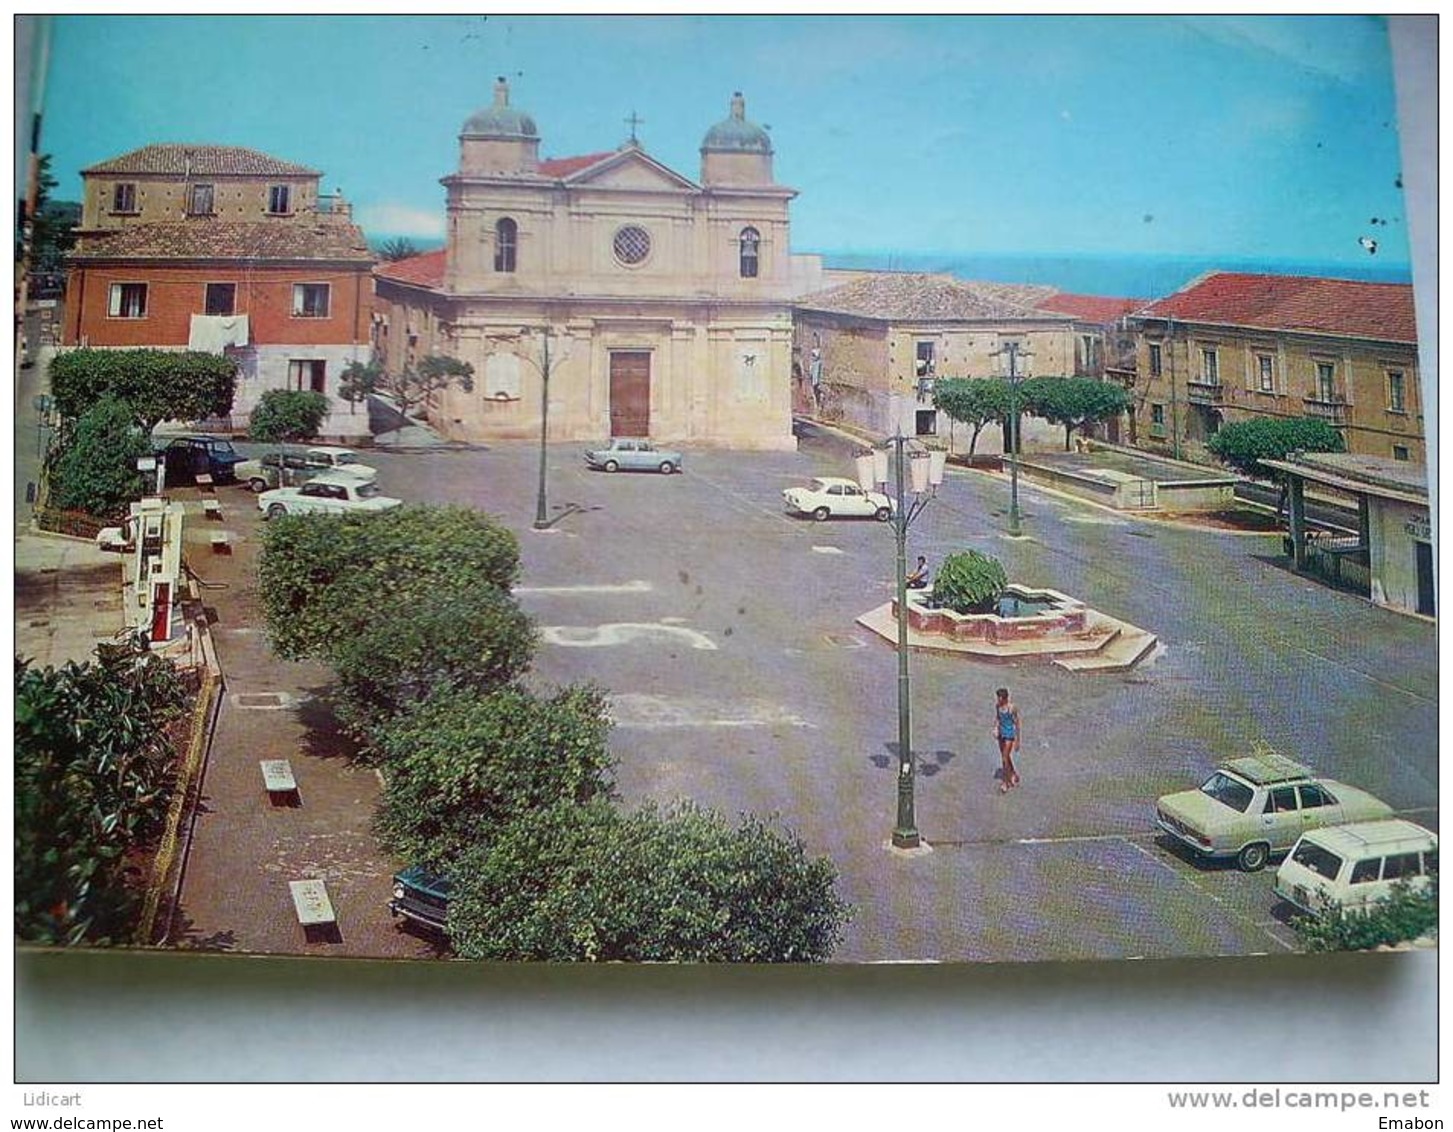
(184, 937)
(325, 737)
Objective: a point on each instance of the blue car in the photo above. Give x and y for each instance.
(422, 897)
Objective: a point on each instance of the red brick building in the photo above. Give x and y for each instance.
(228, 250)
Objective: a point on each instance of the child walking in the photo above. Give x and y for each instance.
(1008, 731)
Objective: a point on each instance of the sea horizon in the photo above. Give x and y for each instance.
(1126, 276)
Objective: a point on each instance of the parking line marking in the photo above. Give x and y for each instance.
(1222, 904)
(636, 587)
(621, 633)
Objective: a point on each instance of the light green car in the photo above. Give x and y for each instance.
(1254, 807)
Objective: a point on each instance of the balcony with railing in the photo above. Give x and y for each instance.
(1200, 391)
(1326, 407)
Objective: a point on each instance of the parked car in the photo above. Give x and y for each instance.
(1356, 865)
(187, 457)
(633, 454)
(830, 497)
(331, 459)
(275, 469)
(329, 493)
(1253, 807)
(422, 897)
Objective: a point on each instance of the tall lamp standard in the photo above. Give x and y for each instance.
(1012, 349)
(542, 519)
(926, 475)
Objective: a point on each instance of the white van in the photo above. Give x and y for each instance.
(1356, 865)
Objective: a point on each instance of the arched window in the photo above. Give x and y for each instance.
(750, 240)
(505, 232)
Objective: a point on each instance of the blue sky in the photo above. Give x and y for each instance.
(1250, 137)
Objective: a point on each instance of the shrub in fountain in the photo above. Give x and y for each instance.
(969, 582)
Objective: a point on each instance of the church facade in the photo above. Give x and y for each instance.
(638, 301)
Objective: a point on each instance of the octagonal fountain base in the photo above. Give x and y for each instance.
(1032, 626)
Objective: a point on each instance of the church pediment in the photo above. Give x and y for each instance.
(631, 169)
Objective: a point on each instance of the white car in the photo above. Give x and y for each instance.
(331, 459)
(833, 496)
(1356, 865)
(332, 493)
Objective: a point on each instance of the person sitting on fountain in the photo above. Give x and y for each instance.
(919, 578)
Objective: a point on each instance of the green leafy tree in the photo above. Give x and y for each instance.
(1073, 401)
(1408, 913)
(358, 381)
(463, 766)
(434, 374)
(94, 768)
(974, 401)
(319, 576)
(52, 226)
(93, 466)
(159, 385)
(1243, 445)
(283, 415)
(416, 644)
(969, 582)
(571, 882)
(400, 247)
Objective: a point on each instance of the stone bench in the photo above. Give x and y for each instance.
(204, 482)
(314, 909)
(212, 507)
(221, 542)
(278, 781)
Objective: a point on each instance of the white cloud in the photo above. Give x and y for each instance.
(388, 219)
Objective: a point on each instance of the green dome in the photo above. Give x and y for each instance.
(500, 120)
(736, 134)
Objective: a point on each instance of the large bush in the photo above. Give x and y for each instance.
(969, 582)
(319, 576)
(413, 645)
(93, 467)
(461, 766)
(283, 415)
(1406, 914)
(159, 385)
(1245, 444)
(93, 778)
(588, 883)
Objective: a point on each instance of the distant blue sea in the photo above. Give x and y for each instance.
(1121, 277)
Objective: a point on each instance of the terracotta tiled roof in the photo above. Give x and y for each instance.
(563, 167)
(909, 296)
(228, 239)
(201, 161)
(1091, 308)
(425, 270)
(1380, 311)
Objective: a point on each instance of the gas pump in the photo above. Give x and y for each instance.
(157, 566)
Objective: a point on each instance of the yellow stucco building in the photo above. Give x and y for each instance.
(659, 306)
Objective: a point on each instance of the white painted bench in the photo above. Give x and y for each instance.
(204, 481)
(313, 907)
(221, 542)
(212, 507)
(277, 777)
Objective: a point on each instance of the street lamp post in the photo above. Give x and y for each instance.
(1013, 350)
(541, 518)
(927, 475)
